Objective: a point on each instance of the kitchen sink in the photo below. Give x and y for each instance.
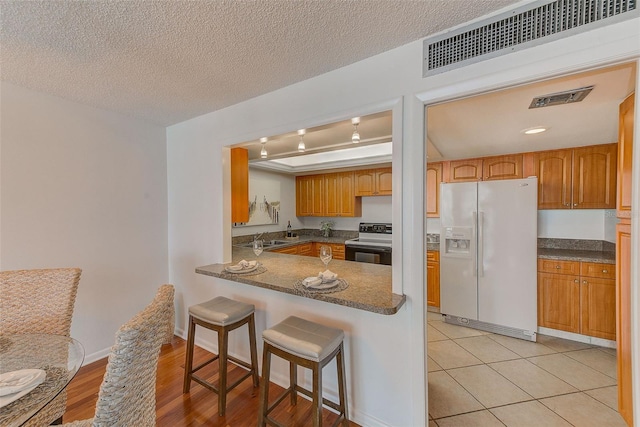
(265, 244)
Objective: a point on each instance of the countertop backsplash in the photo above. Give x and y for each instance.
(576, 244)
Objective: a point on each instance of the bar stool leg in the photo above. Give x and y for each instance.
(293, 382)
(223, 337)
(264, 385)
(188, 364)
(342, 389)
(254, 350)
(317, 395)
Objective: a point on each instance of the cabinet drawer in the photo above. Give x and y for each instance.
(597, 269)
(305, 249)
(558, 267)
(433, 256)
(292, 250)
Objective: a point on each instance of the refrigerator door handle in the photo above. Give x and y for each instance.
(475, 234)
(480, 244)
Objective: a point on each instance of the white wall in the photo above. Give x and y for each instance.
(83, 187)
(385, 353)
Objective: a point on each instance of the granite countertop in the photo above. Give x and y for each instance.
(606, 257)
(369, 284)
(286, 242)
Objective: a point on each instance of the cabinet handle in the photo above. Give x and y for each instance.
(576, 281)
(575, 204)
(605, 271)
(584, 282)
(567, 204)
(558, 267)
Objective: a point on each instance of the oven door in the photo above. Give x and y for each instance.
(371, 254)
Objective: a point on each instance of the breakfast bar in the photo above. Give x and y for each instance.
(369, 285)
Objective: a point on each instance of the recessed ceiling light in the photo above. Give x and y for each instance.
(533, 131)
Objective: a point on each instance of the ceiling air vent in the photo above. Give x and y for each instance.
(530, 25)
(566, 97)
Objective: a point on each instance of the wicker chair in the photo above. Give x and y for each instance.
(128, 392)
(39, 302)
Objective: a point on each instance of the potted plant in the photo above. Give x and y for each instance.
(326, 227)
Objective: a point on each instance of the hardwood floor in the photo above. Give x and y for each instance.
(197, 408)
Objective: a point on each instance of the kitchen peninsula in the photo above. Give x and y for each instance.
(369, 284)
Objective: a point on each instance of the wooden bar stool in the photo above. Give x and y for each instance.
(312, 346)
(221, 315)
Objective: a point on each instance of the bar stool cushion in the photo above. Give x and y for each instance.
(221, 311)
(303, 338)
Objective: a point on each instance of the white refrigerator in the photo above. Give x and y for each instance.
(488, 255)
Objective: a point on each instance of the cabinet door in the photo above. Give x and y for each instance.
(239, 185)
(502, 167)
(434, 178)
(433, 279)
(349, 205)
(623, 320)
(625, 153)
(365, 182)
(333, 196)
(598, 269)
(594, 177)
(304, 196)
(598, 306)
(553, 169)
(465, 170)
(559, 302)
(317, 195)
(383, 182)
(337, 251)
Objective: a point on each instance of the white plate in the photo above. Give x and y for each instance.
(244, 270)
(14, 378)
(15, 381)
(326, 285)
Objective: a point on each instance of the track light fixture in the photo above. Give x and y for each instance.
(263, 152)
(355, 138)
(301, 146)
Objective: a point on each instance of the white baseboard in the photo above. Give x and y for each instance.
(577, 337)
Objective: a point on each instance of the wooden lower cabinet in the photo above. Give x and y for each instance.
(312, 249)
(578, 297)
(433, 278)
(559, 302)
(623, 320)
(337, 249)
(291, 250)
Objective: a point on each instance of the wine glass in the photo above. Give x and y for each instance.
(325, 255)
(257, 247)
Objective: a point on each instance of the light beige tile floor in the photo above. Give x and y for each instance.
(483, 380)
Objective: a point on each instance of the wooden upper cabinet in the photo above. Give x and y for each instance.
(239, 185)
(577, 178)
(340, 195)
(365, 182)
(434, 178)
(625, 154)
(304, 196)
(374, 182)
(318, 195)
(594, 177)
(502, 167)
(553, 169)
(465, 170)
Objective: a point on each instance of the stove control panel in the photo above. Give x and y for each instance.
(378, 228)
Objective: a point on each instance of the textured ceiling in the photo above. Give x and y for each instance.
(168, 61)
